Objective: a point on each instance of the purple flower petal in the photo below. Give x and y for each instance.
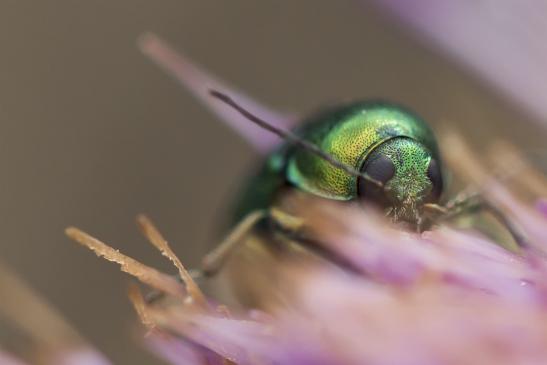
(503, 41)
(84, 356)
(175, 351)
(542, 206)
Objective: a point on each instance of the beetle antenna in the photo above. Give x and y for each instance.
(292, 138)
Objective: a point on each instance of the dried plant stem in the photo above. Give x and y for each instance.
(139, 304)
(508, 158)
(157, 240)
(33, 315)
(145, 274)
(52, 340)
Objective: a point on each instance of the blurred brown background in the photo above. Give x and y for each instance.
(92, 133)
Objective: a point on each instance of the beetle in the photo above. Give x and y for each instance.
(364, 153)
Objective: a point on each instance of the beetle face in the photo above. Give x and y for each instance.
(410, 178)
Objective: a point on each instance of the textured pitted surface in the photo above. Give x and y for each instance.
(350, 133)
(411, 161)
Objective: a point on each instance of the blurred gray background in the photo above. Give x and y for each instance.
(92, 133)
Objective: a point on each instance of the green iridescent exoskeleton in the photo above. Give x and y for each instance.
(366, 153)
(382, 140)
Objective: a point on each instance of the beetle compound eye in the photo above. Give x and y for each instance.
(380, 168)
(436, 178)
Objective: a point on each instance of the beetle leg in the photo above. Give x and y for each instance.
(286, 221)
(213, 261)
(466, 202)
(289, 225)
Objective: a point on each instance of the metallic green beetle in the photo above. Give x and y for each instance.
(365, 152)
(384, 141)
